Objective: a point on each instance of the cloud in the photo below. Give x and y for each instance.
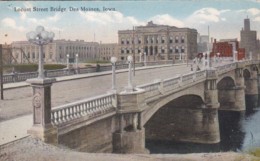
(166, 19)
(205, 15)
(112, 17)
(253, 11)
(9, 22)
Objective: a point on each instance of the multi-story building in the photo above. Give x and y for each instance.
(108, 50)
(158, 42)
(56, 52)
(249, 40)
(227, 48)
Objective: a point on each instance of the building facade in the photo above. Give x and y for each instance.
(227, 48)
(249, 40)
(107, 50)
(158, 42)
(56, 52)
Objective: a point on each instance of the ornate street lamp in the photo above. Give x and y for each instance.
(68, 56)
(145, 59)
(218, 57)
(235, 56)
(77, 60)
(113, 61)
(130, 81)
(40, 37)
(42, 126)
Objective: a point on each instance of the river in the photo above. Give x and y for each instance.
(239, 131)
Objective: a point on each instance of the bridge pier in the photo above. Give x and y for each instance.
(130, 137)
(42, 127)
(258, 83)
(210, 124)
(251, 91)
(232, 94)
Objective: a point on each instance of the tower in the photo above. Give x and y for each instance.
(248, 40)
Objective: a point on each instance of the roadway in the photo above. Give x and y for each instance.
(18, 101)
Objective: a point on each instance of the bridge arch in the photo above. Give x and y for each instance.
(227, 93)
(196, 91)
(251, 86)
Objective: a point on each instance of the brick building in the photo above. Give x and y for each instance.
(226, 48)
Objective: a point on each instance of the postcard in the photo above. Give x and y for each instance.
(129, 80)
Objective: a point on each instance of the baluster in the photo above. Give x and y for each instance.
(52, 117)
(103, 104)
(87, 108)
(55, 118)
(59, 117)
(62, 115)
(92, 108)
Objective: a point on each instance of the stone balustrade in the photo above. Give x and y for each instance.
(18, 77)
(91, 107)
(102, 104)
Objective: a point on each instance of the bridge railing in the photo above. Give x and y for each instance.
(90, 108)
(157, 88)
(18, 77)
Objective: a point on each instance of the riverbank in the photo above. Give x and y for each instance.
(30, 149)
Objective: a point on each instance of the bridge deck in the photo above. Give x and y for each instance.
(18, 100)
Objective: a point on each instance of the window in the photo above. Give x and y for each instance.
(176, 39)
(163, 40)
(182, 49)
(182, 39)
(122, 51)
(33, 55)
(171, 40)
(127, 51)
(28, 55)
(139, 41)
(176, 49)
(122, 41)
(163, 50)
(43, 55)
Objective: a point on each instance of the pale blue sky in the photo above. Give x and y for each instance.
(224, 17)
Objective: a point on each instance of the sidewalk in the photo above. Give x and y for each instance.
(15, 129)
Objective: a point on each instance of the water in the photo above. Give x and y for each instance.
(239, 131)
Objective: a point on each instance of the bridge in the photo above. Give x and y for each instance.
(183, 107)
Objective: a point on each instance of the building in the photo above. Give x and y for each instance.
(107, 50)
(203, 43)
(158, 42)
(249, 40)
(56, 52)
(227, 48)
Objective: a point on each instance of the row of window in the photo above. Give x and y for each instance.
(182, 40)
(176, 50)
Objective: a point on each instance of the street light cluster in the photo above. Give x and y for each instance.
(40, 37)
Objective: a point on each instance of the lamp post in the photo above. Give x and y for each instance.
(235, 56)
(77, 60)
(113, 61)
(77, 63)
(42, 126)
(208, 60)
(130, 81)
(250, 55)
(218, 57)
(145, 59)
(40, 37)
(68, 61)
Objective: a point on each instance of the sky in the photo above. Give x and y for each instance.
(224, 18)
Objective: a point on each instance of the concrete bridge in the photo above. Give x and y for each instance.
(182, 108)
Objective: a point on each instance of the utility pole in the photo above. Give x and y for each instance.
(1, 72)
(133, 49)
